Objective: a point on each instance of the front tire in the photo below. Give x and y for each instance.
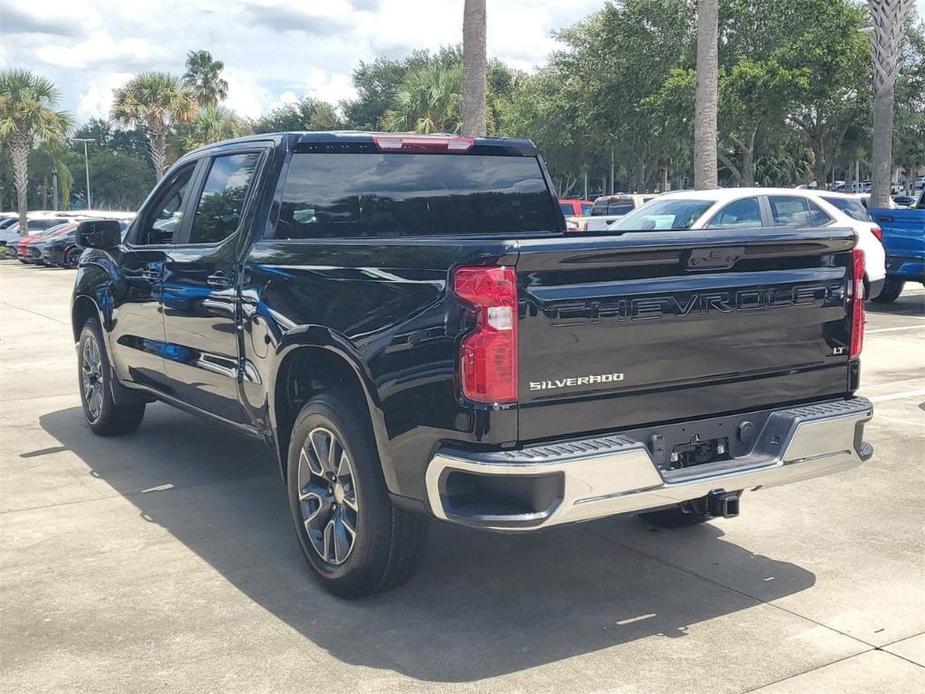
(892, 288)
(72, 258)
(103, 415)
(356, 541)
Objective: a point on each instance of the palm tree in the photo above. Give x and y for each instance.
(427, 101)
(706, 96)
(154, 101)
(888, 18)
(27, 116)
(475, 67)
(203, 78)
(212, 124)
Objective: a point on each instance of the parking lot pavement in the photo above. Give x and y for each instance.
(165, 560)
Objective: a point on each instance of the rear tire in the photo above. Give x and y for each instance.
(892, 288)
(356, 541)
(94, 378)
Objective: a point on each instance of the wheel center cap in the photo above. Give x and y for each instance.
(339, 493)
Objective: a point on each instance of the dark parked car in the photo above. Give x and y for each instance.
(405, 320)
(63, 251)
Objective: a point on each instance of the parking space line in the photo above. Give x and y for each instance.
(898, 396)
(893, 330)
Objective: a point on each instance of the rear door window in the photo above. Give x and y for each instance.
(331, 195)
(793, 211)
(218, 213)
(850, 206)
(742, 213)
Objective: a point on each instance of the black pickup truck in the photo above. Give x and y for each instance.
(406, 320)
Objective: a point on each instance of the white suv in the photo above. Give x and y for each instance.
(740, 208)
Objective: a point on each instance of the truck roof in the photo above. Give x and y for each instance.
(511, 145)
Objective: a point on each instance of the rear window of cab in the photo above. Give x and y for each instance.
(374, 194)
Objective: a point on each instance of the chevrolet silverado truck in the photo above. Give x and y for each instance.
(405, 320)
(904, 242)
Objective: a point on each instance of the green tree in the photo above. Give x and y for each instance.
(203, 78)
(378, 82)
(909, 121)
(155, 101)
(835, 57)
(306, 114)
(27, 116)
(119, 180)
(428, 101)
(212, 124)
(50, 177)
(548, 109)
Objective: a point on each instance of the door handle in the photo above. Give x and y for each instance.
(218, 280)
(151, 275)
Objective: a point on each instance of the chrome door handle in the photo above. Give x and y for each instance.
(151, 275)
(218, 280)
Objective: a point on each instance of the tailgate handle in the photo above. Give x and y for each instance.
(714, 258)
(885, 218)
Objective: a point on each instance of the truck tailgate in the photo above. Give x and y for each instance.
(622, 331)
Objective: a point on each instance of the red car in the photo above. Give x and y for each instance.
(575, 211)
(22, 248)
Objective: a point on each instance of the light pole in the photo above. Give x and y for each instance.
(86, 168)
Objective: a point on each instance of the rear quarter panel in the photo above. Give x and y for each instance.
(383, 306)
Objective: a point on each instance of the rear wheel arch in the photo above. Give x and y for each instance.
(308, 371)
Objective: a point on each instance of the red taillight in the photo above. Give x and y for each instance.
(856, 299)
(422, 143)
(488, 356)
(878, 232)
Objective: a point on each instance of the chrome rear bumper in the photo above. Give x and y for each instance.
(608, 475)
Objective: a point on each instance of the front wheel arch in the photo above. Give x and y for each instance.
(82, 310)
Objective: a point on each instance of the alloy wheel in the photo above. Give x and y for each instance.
(327, 496)
(91, 377)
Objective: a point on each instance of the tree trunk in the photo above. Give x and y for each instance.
(887, 18)
(881, 155)
(475, 66)
(157, 146)
(19, 154)
(705, 104)
(819, 165)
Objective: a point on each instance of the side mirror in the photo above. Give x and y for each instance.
(103, 234)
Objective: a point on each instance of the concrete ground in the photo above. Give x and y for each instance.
(165, 560)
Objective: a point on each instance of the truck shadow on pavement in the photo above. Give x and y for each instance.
(482, 604)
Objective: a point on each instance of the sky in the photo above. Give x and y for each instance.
(275, 51)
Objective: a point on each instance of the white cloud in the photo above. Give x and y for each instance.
(245, 95)
(329, 86)
(98, 48)
(95, 100)
(274, 51)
